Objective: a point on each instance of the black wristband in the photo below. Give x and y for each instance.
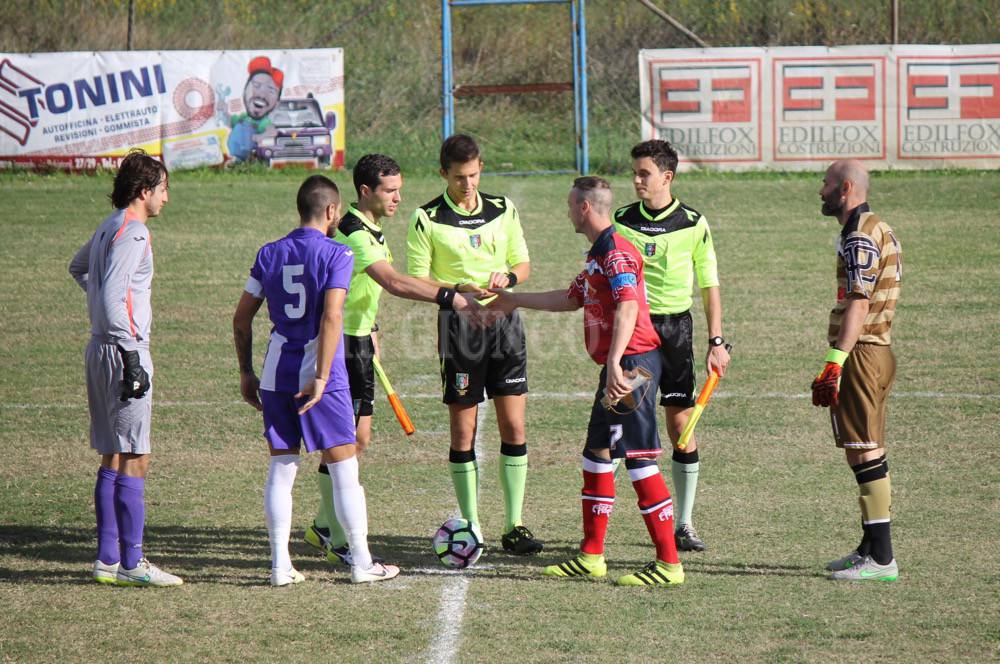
(512, 279)
(445, 297)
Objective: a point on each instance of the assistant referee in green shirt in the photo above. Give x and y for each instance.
(473, 241)
(676, 245)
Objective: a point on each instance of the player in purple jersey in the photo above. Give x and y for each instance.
(303, 391)
(115, 268)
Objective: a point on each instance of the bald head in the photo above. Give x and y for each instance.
(845, 186)
(850, 170)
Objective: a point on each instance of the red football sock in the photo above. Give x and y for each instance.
(598, 499)
(657, 510)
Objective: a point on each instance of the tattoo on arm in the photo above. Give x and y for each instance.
(244, 349)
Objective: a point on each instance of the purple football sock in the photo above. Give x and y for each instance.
(107, 524)
(130, 507)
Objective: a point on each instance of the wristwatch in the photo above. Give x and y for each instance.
(716, 341)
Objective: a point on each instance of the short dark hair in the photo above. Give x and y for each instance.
(661, 152)
(136, 173)
(315, 194)
(458, 149)
(371, 168)
(595, 189)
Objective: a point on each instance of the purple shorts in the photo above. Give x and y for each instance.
(327, 424)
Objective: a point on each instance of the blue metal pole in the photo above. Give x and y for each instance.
(584, 134)
(471, 3)
(576, 82)
(447, 91)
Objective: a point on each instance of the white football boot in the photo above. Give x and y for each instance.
(847, 562)
(285, 577)
(105, 573)
(146, 574)
(377, 572)
(868, 570)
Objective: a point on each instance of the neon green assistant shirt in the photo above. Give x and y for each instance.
(365, 239)
(453, 245)
(676, 245)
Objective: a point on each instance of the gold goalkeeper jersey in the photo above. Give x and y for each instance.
(868, 264)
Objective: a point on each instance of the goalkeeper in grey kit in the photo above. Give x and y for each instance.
(115, 268)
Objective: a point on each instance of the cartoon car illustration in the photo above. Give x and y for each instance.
(301, 134)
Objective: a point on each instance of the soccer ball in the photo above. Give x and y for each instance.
(458, 543)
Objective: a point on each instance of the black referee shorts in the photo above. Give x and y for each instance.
(475, 360)
(358, 354)
(677, 380)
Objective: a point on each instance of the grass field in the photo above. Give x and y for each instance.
(776, 499)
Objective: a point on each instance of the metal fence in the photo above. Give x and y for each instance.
(393, 56)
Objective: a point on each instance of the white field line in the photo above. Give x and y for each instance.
(555, 396)
(447, 639)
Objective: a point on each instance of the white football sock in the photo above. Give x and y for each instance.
(351, 508)
(278, 507)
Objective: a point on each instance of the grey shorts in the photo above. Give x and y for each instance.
(116, 426)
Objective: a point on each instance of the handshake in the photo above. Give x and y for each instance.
(469, 296)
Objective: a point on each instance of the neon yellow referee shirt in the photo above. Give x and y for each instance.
(453, 245)
(365, 239)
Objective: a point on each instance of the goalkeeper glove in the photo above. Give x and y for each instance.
(135, 380)
(826, 387)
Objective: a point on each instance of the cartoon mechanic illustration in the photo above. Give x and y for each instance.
(260, 97)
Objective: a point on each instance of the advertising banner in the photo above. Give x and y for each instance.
(81, 111)
(798, 108)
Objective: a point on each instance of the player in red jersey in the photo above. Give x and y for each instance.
(620, 337)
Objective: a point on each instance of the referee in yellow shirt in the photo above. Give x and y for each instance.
(473, 241)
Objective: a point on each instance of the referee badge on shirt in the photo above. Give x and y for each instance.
(650, 248)
(476, 240)
(462, 383)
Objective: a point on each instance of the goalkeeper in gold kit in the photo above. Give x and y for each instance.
(860, 367)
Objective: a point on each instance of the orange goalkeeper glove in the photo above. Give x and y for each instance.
(826, 387)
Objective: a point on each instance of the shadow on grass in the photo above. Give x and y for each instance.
(231, 556)
(561, 550)
(240, 557)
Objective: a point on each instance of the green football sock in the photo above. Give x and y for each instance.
(327, 517)
(684, 471)
(513, 477)
(465, 477)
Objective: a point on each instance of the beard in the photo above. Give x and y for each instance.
(832, 205)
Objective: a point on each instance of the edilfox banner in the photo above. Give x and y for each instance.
(81, 111)
(798, 108)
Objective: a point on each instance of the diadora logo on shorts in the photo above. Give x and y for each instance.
(962, 89)
(719, 92)
(666, 513)
(675, 394)
(511, 381)
(828, 91)
(602, 509)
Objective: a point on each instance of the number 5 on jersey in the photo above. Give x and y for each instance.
(288, 274)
